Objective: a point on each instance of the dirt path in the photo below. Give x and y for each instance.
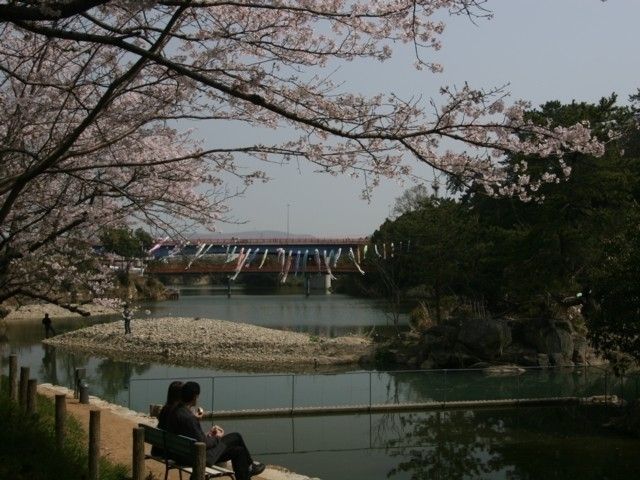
(116, 437)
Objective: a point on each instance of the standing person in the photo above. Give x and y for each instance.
(127, 315)
(48, 327)
(220, 447)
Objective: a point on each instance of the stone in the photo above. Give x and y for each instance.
(444, 330)
(543, 360)
(559, 341)
(504, 370)
(486, 338)
(400, 358)
(560, 360)
(580, 347)
(428, 364)
(456, 357)
(519, 354)
(529, 360)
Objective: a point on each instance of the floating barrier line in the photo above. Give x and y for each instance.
(407, 407)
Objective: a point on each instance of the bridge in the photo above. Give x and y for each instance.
(285, 256)
(219, 245)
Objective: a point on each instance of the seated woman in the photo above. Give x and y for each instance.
(219, 447)
(173, 399)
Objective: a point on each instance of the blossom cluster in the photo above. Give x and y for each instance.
(93, 100)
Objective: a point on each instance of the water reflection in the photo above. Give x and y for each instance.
(506, 444)
(114, 376)
(323, 315)
(451, 385)
(550, 443)
(49, 368)
(501, 444)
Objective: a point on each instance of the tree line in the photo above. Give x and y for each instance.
(575, 242)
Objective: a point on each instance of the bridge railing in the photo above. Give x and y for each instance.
(281, 241)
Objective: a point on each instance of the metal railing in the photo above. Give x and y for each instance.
(369, 389)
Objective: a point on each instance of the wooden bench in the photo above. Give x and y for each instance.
(176, 446)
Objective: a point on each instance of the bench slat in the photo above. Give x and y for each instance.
(214, 471)
(179, 446)
(176, 444)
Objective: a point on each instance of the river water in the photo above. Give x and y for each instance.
(523, 443)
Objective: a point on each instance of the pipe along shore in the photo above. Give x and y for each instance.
(613, 400)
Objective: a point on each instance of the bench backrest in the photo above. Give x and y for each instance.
(175, 447)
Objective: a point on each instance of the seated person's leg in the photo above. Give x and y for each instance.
(240, 460)
(237, 448)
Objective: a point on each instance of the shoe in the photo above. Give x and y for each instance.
(256, 468)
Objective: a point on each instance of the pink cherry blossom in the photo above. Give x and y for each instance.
(93, 96)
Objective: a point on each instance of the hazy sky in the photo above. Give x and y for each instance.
(545, 50)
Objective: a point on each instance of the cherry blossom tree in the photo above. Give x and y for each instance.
(93, 95)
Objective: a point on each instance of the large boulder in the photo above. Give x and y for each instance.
(580, 350)
(486, 338)
(457, 356)
(445, 332)
(558, 341)
(520, 355)
(551, 337)
(560, 360)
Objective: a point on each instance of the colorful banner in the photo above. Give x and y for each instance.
(327, 263)
(281, 259)
(230, 256)
(295, 274)
(337, 257)
(287, 267)
(242, 258)
(157, 245)
(198, 252)
(252, 257)
(353, 259)
(264, 257)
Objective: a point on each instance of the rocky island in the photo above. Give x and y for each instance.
(215, 343)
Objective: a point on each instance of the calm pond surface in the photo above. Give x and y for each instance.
(520, 443)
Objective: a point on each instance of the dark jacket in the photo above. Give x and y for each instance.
(163, 418)
(182, 421)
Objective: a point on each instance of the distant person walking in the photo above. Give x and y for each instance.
(48, 327)
(127, 315)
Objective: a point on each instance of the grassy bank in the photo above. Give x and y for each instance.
(28, 449)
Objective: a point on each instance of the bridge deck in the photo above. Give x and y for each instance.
(204, 268)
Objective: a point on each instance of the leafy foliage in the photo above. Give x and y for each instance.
(28, 445)
(526, 257)
(126, 242)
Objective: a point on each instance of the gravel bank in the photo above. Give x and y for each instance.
(208, 342)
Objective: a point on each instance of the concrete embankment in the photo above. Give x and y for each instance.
(208, 342)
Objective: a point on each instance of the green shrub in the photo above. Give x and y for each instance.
(28, 445)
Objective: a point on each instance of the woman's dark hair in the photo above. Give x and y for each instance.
(190, 391)
(174, 394)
